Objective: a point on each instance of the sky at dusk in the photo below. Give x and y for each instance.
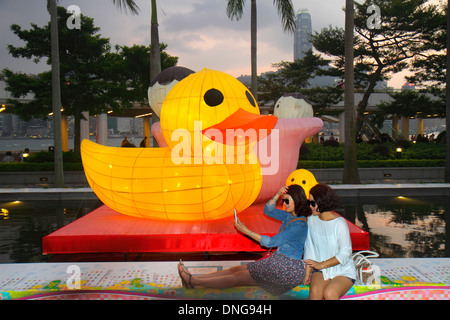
(197, 31)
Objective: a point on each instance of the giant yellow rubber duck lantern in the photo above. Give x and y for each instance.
(208, 169)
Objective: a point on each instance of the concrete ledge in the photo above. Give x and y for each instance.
(329, 176)
(57, 194)
(41, 178)
(383, 175)
(376, 182)
(345, 191)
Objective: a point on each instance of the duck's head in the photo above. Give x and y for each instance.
(208, 104)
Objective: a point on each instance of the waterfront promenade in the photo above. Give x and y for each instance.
(375, 182)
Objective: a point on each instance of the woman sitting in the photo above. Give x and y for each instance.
(330, 269)
(281, 271)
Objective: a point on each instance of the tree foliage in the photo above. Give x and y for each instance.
(93, 78)
(295, 77)
(382, 51)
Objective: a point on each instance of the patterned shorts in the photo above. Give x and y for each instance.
(278, 273)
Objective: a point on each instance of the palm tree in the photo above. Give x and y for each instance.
(155, 56)
(56, 95)
(155, 53)
(351, 174)
(447, 106)
(56, 88)
(235, 9)
(127, 4)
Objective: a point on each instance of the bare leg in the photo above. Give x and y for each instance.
(225, 272)
(233, 277)
(317, 286)
(337, 287)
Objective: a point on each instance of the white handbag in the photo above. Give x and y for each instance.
(364, 269)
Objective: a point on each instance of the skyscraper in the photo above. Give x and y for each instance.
(302, 43)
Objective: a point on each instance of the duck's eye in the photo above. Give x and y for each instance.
(213, 97)
(250, 98)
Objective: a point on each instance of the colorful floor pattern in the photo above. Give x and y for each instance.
(399, 279)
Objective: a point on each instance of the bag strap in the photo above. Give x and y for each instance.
(296, 219)
(359, 256)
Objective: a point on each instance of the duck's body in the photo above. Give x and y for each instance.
(174, 183)
(145, 182)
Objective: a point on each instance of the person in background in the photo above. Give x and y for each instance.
(143, 143)
(330, 269)
(124, 142)
(8, 157)
(127, 144)
(24, 154)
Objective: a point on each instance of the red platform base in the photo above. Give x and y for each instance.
(107, 231)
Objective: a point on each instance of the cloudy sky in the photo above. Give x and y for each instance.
(197, 31)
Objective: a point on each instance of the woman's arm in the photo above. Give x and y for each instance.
(308, 271)
(243, 228)
(344, 247)
(268, 209)
(292, 232)
(324, 264)
(271, 211)
(295, 231)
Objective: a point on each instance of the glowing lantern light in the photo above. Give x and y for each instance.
(202, 174)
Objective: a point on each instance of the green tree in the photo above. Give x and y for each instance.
(56, 89)
(383, 50)
(92, 78)
(431, 66)
(294, 77)
(410, 103)
(128, 62)
(235, 10)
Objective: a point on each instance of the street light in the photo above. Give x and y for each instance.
(399, 152)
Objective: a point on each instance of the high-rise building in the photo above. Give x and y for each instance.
(303, 31)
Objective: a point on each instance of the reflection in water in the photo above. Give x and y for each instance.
(22, 229)
(403, 227)
(398, 227)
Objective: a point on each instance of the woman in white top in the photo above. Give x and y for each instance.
(330, 270)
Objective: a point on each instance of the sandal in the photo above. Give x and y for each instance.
(180, 272)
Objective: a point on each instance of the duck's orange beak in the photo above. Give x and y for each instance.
(242, 125)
